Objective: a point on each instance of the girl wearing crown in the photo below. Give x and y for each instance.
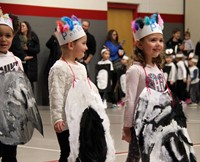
(148, 121)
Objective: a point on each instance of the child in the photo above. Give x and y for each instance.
(121, 75)
(169, 69)
(18, 111)
(181, 78)
(148, 105)
(175, 42)
(194, 82)
(188, 44)
(70, 93)
(104, 79)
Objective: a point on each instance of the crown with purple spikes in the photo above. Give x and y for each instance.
(148, 25)
(5, 19)
(68, 30)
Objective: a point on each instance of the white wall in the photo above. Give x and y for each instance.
(145, 6)
(192, 19)
(161, 6)
(76, 4)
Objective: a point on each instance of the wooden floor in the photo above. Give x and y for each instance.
(46, 149)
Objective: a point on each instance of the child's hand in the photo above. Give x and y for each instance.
(171, 82)
(58, 127)
(126, 136)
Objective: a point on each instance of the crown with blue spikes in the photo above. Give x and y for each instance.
(5, 19)
(148, 25)
(68, 30)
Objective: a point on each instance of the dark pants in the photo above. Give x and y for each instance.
(8, 153)
(133, 152)
(63, 140)
(181, 90)
(194, 92)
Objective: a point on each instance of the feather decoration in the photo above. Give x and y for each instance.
(59, 26)
(68, 21)
(75, 19)
(154, 18)
(133, 26)
(140, 22)
(147, 20)
(66, 28)
(136, 26)
(160, 21)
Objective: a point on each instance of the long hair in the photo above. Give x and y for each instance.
(109, 36)
(138, 56)
(29, 29)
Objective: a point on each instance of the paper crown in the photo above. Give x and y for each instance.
(179, 55)
(195, 60)
(103, 50)
(5, 20)
(69, 29)
(125, 57)
(148, 25)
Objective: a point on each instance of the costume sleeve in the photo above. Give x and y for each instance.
(195, 74)
(132, 83)
(174, 73)
(57, 81)
(183, 68)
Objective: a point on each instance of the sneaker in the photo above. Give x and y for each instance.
(114, 106)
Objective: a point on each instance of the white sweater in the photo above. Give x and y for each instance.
(60, 80)
(135, 83)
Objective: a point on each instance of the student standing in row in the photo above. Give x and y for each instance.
(61, 78)
(148, 108)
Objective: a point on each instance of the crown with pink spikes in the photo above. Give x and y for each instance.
(5, 19)
(148, 25)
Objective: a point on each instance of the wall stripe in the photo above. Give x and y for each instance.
(27, 10)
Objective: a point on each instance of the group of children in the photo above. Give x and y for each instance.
(182, 76)
(104, 72)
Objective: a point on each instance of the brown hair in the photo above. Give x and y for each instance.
(139, 56)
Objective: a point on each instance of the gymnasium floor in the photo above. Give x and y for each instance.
(45, 149)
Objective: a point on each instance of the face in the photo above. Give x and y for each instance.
(85, 26)
(80, 47)
(151, 45)
(168, 59)
(187, 36)
(114, 35)
(124, 62)
(6, 37)
(106, 55)
(177, 35)
(24, 27)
